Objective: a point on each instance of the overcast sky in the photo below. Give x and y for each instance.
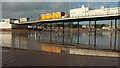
(34, 9)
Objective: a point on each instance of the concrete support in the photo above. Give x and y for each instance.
(95, 36)
(63, 32)
(78, 33)
(71, 32)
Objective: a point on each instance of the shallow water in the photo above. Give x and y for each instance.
(38, 40)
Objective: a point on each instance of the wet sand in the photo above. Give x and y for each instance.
(19, 57)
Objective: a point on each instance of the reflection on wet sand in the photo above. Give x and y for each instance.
(49, 48)
(34, 40)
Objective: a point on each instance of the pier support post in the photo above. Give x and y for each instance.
(63, 33)
(71, 32)
(56, 32)
(89, 25)
(43, 32)
(111, 36)
(111, 25)
(89, 32)
(95, 36)
(78, 32)
(115, 33)
(57, 26)
(115, 24)
(50, 32)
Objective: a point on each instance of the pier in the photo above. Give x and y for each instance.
(63, 40)
(70, 21)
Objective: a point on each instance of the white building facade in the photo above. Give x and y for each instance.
(5, 24)
(86, 12)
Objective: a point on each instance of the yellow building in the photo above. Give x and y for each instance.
(53, 15)
(48, 16)
(43, 16)
(57, 15)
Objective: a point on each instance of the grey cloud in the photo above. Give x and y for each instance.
(34, 9)
(19, 9)
(21, 6)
